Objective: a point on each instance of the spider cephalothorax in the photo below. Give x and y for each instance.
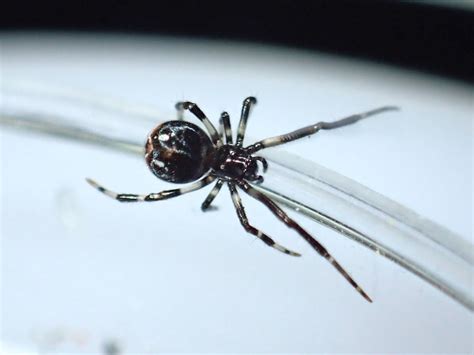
(180, 152)
(236, 163)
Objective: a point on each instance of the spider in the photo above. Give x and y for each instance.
(180, 152)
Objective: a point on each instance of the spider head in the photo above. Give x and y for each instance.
(179, 152)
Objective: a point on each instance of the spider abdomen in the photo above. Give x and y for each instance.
(178, 152)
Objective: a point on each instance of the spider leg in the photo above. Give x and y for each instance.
(252, 230)
(309, 130)
(246, 106)
(206, 205)
(277, 211)
(179, 112)
(221, 129)
(196, 111)
(225, 123)
(163, 195)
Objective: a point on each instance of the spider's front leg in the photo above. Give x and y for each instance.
(251, 229)
(309, 130)
(280, 214)
(157, 196)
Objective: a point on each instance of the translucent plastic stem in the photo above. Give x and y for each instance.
(426, 249)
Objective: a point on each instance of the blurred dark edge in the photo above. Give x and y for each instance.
(433, 39)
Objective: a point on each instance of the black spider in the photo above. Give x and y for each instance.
(180, 152)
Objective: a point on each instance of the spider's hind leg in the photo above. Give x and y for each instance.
(225, 127)
(246, 106)
(156, 196)
(196, 111)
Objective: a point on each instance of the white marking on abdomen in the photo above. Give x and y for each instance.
(159, 163)
(164, 137)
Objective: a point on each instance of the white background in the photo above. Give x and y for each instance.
(79, 269)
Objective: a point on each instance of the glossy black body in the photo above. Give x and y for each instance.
(179, 152)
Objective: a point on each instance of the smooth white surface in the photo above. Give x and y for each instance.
(169, 278)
